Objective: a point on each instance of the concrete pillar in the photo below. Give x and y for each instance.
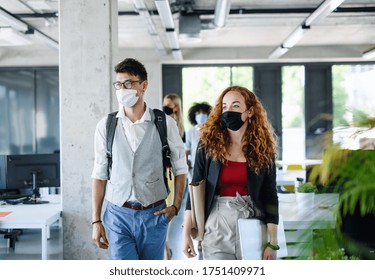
(88, 42)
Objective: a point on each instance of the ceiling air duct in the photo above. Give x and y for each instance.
(221, 12)
(189, 27)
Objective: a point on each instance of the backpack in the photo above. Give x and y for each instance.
(161, 125)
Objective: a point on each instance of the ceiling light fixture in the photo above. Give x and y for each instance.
(172, 39)
(145, 15)
(294, 37)
(166, 18)
(326, 8)
(11, 37)
(369, 54)
(165, 13)
(19, 25)
(14, 22)
(177, 54)
(279, 51)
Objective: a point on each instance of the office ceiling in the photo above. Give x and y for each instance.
(254, 27)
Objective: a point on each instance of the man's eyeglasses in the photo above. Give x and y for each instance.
(127, 84)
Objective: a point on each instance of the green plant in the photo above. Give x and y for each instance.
(326, 246)
(307, 187)
(351, 173)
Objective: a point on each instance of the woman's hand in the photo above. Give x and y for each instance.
(269, 254)
(188, 247)
(187, 242)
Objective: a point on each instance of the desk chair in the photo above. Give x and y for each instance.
(12, 236)
(290, 188)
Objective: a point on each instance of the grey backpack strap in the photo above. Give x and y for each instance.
(111, 129)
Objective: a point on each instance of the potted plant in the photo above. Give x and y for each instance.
(305, 196)
(307, 187)
(351, 173)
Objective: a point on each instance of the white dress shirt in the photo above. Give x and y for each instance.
(134, 133)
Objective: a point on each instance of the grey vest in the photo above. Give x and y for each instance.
(140, 172)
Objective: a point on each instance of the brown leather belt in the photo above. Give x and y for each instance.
(141, 207)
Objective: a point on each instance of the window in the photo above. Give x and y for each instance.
(353, 100)
(348, 96)
(204, 84)
(293, 121)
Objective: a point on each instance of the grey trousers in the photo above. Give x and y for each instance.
(221, 237)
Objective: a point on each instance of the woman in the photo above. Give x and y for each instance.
(238, 153)
(172, 107)
(197, 115)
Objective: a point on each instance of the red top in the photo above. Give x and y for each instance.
(233, 178)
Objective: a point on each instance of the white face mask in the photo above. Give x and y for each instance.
(127, 97)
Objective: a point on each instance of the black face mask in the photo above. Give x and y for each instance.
(167, 110)
(232, 120)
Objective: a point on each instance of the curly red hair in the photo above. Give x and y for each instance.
(259, 140)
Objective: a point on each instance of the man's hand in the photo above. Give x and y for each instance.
(170, 212)
(99, 237)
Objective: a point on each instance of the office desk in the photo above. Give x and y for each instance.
(288, 177)
(39, 216)
(314, 218)
(299, 224)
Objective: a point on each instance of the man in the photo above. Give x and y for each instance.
(136, 217)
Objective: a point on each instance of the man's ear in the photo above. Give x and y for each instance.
(145, 85)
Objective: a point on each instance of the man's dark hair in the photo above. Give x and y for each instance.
(132, 67)
(204, 107)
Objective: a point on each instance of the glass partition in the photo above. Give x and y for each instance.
(29, 110)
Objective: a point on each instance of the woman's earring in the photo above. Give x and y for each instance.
(249, 120)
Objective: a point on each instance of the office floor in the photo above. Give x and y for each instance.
(175, 235)
(28, 244)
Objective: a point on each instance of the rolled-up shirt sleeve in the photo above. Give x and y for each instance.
(100, 162)
(177, 147)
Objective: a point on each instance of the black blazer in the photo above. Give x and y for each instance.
(262, 187)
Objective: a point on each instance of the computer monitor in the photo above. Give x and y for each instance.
(30, 172)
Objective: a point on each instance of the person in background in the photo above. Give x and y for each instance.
(197, 115)
(238, 148)
(172, 107)
(136, 217)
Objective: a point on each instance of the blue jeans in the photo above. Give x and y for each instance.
(135, 234)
